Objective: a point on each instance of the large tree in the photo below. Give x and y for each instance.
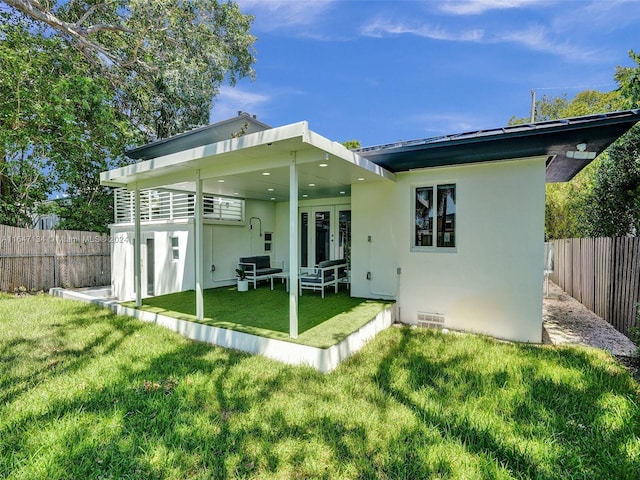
(612, 205)
(58, 124)
(604, 198)
(81, 80)
(165, 58)
(629, 80)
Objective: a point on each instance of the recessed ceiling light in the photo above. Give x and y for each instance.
(273, 198)
(236, 193)
(266, 174)
(270, 189)
(342, 193)
(323, 165)
(220, 181)
(312, 184)
(361, 179)
(305, 195)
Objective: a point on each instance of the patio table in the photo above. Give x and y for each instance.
(284, 276)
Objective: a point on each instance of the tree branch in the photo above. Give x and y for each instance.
(34, 9)
(88, 13)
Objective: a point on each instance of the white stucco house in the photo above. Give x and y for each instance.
(451, 228)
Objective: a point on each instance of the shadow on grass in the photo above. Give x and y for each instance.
(130, 400)
(52, 351)
(548, 411)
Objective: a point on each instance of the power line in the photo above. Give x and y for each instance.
(576, 87)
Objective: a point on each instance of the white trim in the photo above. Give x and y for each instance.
(293, 247)
(137, 249)
(322, 359)
(199, 280)
(176, 166)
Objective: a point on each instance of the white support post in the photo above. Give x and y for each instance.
(293, 247)
(198, 248)
(137, 247)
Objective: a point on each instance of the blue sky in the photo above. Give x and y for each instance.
(381, 71)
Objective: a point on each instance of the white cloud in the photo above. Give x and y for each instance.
(232, 99)
(477, 7)
(276, 14)
(382, 27)
(538, 38)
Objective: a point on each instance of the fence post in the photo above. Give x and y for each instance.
(55, 259)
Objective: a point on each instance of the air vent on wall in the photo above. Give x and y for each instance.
(430, 320)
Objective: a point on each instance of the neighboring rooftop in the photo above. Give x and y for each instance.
(570, 144)
(242, 124)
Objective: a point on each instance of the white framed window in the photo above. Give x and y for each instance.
(434, 217)
(175, 248)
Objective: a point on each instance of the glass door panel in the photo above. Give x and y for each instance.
(304, 239)
(344, 235)
(319, 227)
(323, 236)
(150, 266)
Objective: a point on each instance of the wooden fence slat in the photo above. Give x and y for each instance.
(603, 274)
(40, 259)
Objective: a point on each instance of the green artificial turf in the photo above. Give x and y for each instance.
(85, 394)
(322, 322)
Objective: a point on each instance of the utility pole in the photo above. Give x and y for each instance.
(533, 106)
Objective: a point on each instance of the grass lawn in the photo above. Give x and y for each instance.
(85, 394)
(322, 322)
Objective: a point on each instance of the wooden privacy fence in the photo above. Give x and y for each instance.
(603, 274)
(34, 260)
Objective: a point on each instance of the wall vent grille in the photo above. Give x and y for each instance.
(430, 320)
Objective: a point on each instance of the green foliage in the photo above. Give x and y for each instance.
(587, 102)
(612, 206)
(629, 80)
(87, 394)
(58, 125)
(352, 144)
(165, 59)
(82, 80)
(602, 200)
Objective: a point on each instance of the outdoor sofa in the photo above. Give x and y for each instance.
(258, 268)
(327, 273)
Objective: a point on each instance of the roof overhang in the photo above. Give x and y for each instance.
(229, 128)
(558, 140)
(256, 165)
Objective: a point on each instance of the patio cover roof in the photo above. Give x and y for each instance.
(199, 136)
(553, 139)
(255, 165)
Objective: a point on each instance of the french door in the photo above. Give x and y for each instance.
(325, 234)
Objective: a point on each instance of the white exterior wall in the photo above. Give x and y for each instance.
(223, 245)
(492, 283)
(170, 275)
